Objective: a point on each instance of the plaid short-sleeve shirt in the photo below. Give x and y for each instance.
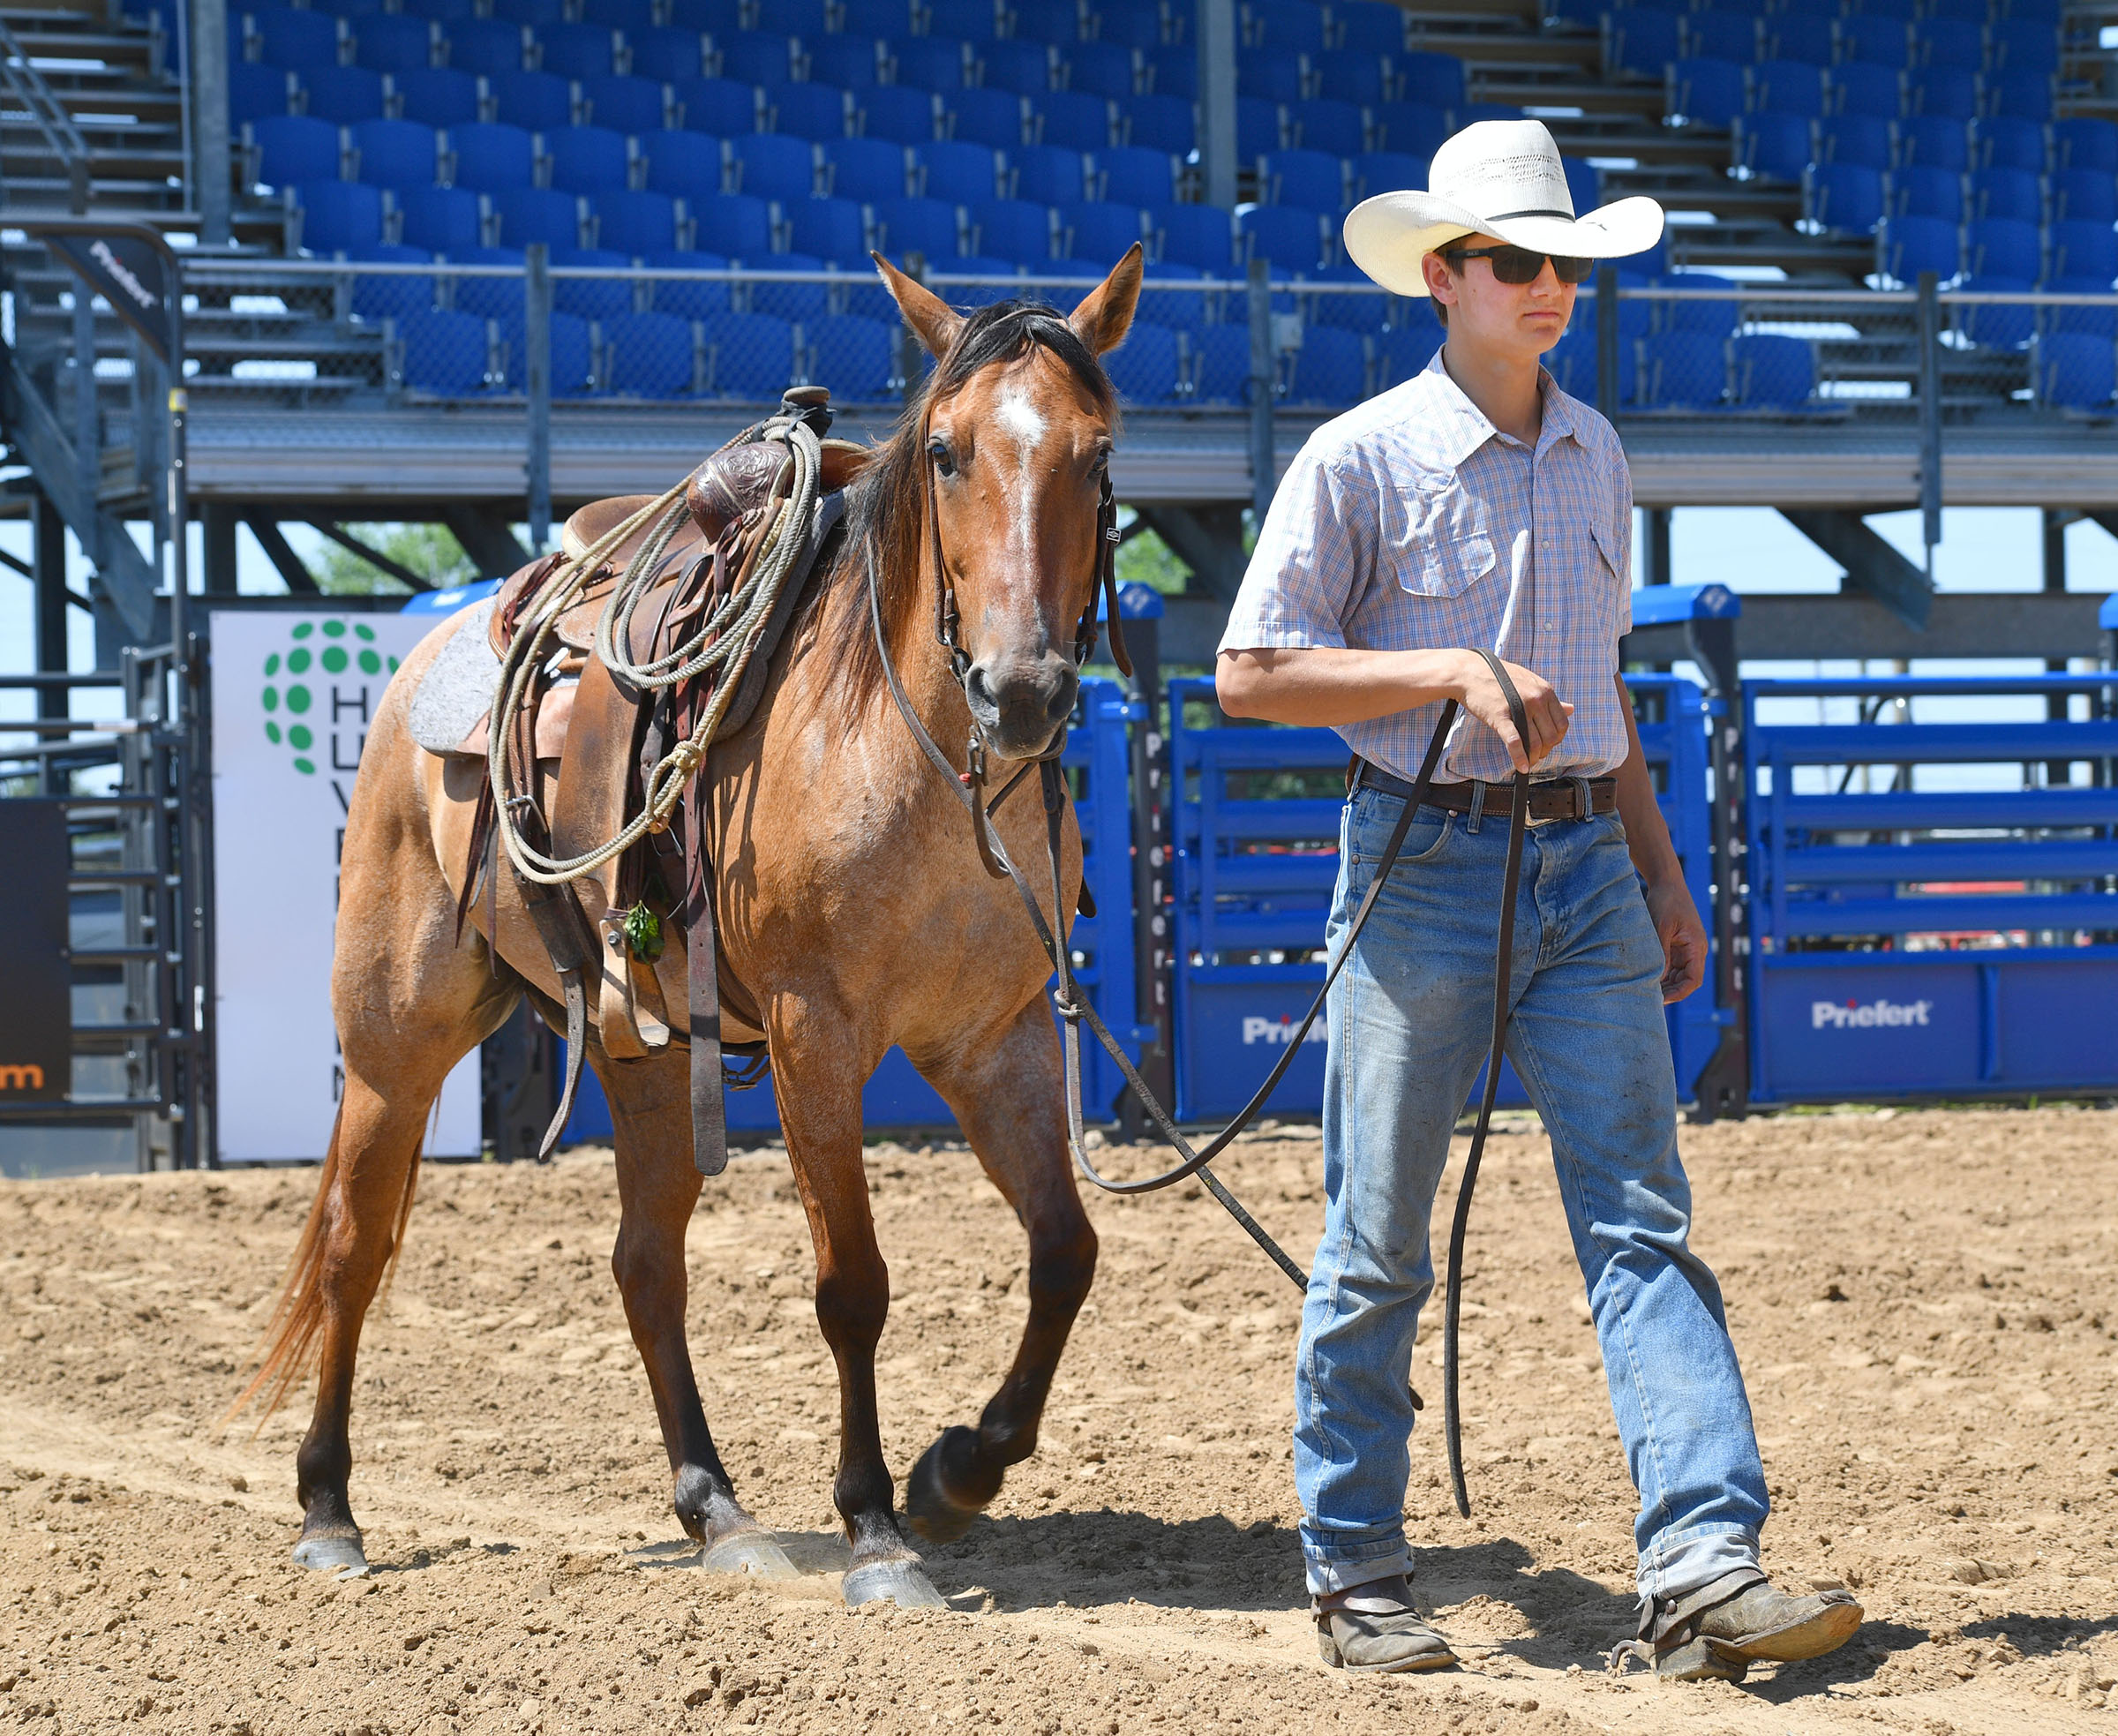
(1412, 523)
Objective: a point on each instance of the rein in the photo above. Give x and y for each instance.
(969, 787)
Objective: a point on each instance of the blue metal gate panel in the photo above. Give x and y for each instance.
(1254, 876)
(896, 1097)
(1930, 941)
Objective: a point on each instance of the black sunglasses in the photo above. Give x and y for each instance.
(1518, 265)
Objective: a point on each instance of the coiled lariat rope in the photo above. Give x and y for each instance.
(726, 638)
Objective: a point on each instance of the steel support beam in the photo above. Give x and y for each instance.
(1207, 538)
(208, 72)
(219, 522)
(1871, 565)
(487, 538)
(300, 581)
(375, 557)
(1655, 554)
(1217, 99)
(48, 557)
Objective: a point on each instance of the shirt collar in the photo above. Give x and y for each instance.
(1462, 427)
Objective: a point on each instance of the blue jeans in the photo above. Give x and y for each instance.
(1411, 1017)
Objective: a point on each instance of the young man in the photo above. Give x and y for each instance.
(1477, 505)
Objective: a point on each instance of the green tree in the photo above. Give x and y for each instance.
(428, 550)
(1144, 558)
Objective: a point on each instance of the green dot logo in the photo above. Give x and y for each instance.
(295, 679)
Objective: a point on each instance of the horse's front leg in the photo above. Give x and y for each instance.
(657, 1187)
(818, 1068)
(1009, 1099)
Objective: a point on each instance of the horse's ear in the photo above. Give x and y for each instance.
(927, 313)
(1105, 312)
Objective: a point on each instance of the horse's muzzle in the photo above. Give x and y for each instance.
(1020, 705)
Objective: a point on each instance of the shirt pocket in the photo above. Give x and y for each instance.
(1607, 546)
(1448, 566)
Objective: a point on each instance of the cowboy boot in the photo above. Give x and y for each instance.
(1716, 1632)
(1375, 1628)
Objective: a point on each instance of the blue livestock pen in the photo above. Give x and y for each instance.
(1934, 905)
(1255, 833)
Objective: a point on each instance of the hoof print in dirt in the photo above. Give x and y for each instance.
(899, 1583)
(341, 1557)
(927, 1508)
(756, 1553)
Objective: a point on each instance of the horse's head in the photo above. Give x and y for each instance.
(1017, 424)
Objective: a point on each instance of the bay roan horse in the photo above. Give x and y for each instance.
(854, 910)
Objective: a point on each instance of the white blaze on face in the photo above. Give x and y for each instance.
(1019, 419)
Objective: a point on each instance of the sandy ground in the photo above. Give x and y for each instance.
(1923, 1302)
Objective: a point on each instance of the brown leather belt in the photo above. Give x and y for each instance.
(1559, 799)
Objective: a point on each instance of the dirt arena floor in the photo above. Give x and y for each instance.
(1924, 1304)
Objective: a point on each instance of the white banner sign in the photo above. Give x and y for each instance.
(293, 696)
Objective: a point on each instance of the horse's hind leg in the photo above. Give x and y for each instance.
(1010, 1100)
(657, 1187)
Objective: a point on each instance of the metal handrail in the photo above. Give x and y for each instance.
(27, 87)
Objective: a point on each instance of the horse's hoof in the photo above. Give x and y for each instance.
(755, 1552)
(900, 1582)
(927, 1508)
(341, 1557)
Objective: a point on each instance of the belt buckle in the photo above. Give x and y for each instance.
(1584, 803)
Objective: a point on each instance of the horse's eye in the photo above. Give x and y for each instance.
(937, 449)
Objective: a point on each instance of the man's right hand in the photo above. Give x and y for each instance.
(1548, 715)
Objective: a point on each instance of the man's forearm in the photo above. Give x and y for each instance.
(1325, 685)
(1647, 836)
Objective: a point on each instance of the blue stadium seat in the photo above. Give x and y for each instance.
(1055, 21)
(573, 356)
(1354, 314)
(1904, 11)
(1171, 68)
(1148, 367)
(339, 216)
(1716, 318)
(2076, 371)
(875, 18)
(1431, 80)
(1369, 26)
(1307, 178)
(1269, 75)
(395, 153)
(491, 298)
(444, 353)
(1881, 41)
(957, 171)
(296, 40)
(739, 225)
(1706, 92)
(1408, 345)
(667, 54)
(967, 21)
(719, 106)
(1012, 229)
(1351, 76)
(1260, 126)
(1164, 301)
(1773, 145)
(1906, 246)
(1411, 128)
(256, 90)
(629, 16)
(2082, 142)
(442, 12)
(1858, 88)
(531, 12)
(439, 219)
(2083, 196)
(588, 159)
(1997, 326)
(599, 298)
(1025, 68)
(1638, 44)
(1720, 36)
(1787, 87)
(1682, 371)
(1099, 230)
(1934, 141)
(684, 165)
(753, 356)
(1573, 363)
(2024, 45)
(1770, 372)
(1102, 69)
(1168, 123)
(2008, 192)
(900, 115)
(1801, 36)
(928, 226)
(625, 104)
(635, 224)
(343, 95)
(1196, 235)
(651, 355)
(2000, 247)
(757, 57)
(441, 96)
(1387, 171)
(1220, 365)
(486, 45)
(1927, 193)
(1860, 140)
(1969, 11)
(998, 119)
(1076, 120)
(1288, 27)
(1284, 234)
(979, 295)
(391, 42)
(1584, 185)
(2004, 142)
(834, 230)
(1328, 124)
(2098, 321)
(929, 62)
(2086, 250)
(376, 296)
(1049, 174)
(1139, 27)
(772, 166)
(688, 300)
(1942, 90)
(1944, 42)
(488, 156)
(783, 296)
(815, 112)
(2026, 96)
(864, 169)
(535, 101)
(1844, 198)
(530, 214)
(292, 149)
(1132, 175)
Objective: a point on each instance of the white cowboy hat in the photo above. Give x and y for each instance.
(1495, 177)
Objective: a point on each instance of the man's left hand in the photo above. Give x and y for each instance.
(1683, 937)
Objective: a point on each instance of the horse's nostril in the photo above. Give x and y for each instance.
(977, 690)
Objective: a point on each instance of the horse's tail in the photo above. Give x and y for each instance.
(299, 1315)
